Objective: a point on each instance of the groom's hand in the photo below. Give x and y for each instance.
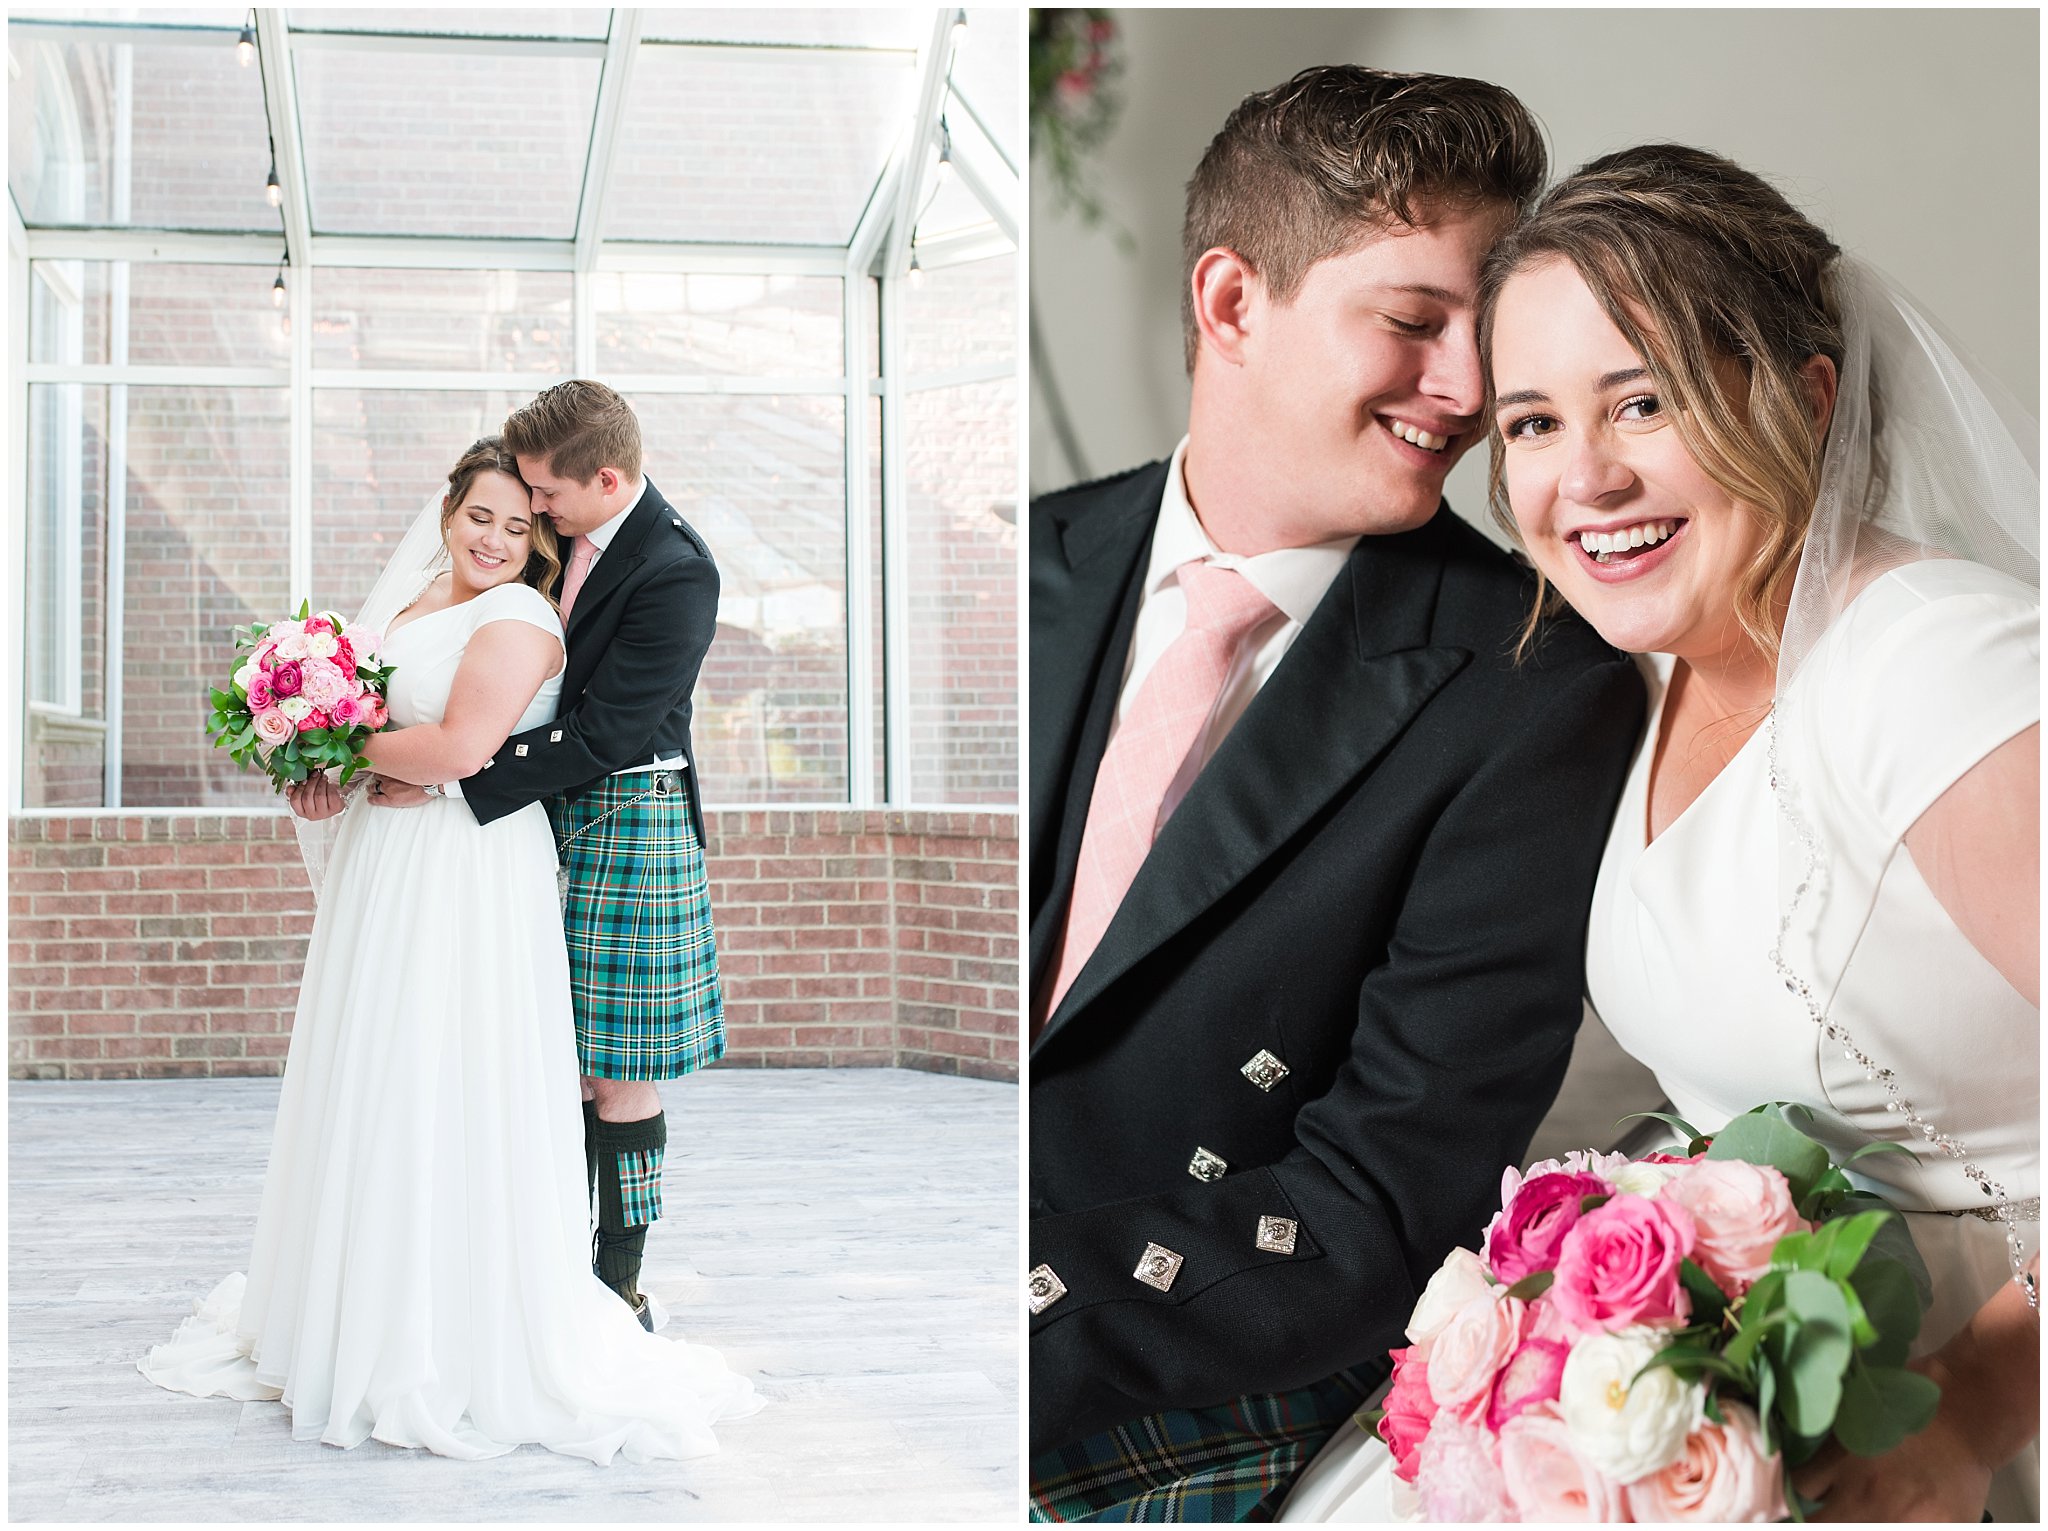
(386, 793)
(314, 798)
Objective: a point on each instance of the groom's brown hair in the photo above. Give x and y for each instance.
(575, 428)
(1312, 168)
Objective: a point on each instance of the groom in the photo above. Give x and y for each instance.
(1311, 851)
(639, 600)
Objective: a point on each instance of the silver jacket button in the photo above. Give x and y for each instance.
(1276, 1235)
(1264, 1070)
(1158, 1266)
(1206, 1166)
(1044, 1288)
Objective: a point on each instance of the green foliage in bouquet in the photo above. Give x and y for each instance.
(232, 728)
(1819, 1343)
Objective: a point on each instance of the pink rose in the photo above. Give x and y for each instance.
(273, 727)
(344, 656)
(1471, 1349)
(1458, 1476)
(315, 719)
(1739, 1212)
(348, 712)
(1525, 1235)
(1531, 1377)
(1409, 1410)
(1723, 1476)
(377, 714)
(1547, 1479)
(1619, 1266)
(286, 678)
(260, 694)
(1580, 1161)
(321, 683)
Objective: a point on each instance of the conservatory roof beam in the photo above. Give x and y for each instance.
(156, 34)
(873, 228)
(931, 98)
(961, 245)
(620, 49)
(466, 45)
(425, 253)
(153, 245)
(274, 58)
(791, 260)
(993, 184)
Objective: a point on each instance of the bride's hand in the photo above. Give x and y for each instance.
(1938, 1474)
(314, 798)
(387, 792)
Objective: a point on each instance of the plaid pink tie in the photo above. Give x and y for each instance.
(1165, 721)
(580, 561)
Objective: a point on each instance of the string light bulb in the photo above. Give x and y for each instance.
(273, 189)
(245, 46)
(959, 28)
(916, 271)
(277, 291)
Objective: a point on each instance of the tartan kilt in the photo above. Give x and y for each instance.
(1232, 1462)
(643, 965)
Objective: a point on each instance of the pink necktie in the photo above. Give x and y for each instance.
(1165, 722)
(579, 570)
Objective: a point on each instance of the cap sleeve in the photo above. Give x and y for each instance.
(517, 602)
(1939, 664)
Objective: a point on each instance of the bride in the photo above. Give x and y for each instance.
(1741, 453)
(421, 1269)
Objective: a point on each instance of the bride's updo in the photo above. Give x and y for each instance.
(489, 455)
(1721, 286)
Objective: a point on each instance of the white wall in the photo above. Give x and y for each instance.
(1911, 136)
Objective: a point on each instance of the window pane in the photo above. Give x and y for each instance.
(960, 316)
(583, 22)
(755, 147)
(68, 323)
(190, 153)
(379, 457)
(483, 144)
(208, 534)
(762, 479)
(488, 321)
(960, 500)
(898, 28)
(988, 71)
(726, 326)
(65, 658)
(178, 315)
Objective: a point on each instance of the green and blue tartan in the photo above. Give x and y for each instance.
(643, 964)
(640, 1185)
(1232, 1462)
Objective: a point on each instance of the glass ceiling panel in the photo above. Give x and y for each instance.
(581, 21)
(858, 28)
(165, 16)
(988, 70)
(946, 205)
(190, 153)
(489, 146)
(747, 147)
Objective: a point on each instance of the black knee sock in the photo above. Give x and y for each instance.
(629, 1156)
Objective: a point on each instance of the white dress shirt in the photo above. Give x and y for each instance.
(1293, 579)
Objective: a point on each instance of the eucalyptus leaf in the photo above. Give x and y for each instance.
(1709, 1302)
(1528, 1289)
(1588, 1203)
(1677, 1124)
(1862, 1332)
(1878, 1148)
(1852, 1237)
(1766, 1137)
(1894, 1241)
(1881, 1406)
(1812, 1352)
(1885, 1290)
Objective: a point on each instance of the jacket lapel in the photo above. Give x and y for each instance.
(621, 558)
(1361, 669)
(1084, 605)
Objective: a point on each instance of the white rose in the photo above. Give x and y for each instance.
(295, 708)
(245, 675)
(293, 646)
(321, 645)
(1642, 1179)
(1460, 1279)
(1627, 1430)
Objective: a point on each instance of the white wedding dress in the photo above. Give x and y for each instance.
(421, 1270)
(1932, 667)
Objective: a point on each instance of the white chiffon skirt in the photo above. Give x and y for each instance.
(421, 1269)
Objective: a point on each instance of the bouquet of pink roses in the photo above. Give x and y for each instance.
(306, 693)
(1661, 1339)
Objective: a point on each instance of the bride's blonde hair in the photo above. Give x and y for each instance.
(1699, 263)
(490, 455)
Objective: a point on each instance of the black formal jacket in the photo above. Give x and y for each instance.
(1381, 879)
(637, 638)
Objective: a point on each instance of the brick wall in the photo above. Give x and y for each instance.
(161, 946)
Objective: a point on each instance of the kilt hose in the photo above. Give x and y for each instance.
(643, 966)
(1232, 1462)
